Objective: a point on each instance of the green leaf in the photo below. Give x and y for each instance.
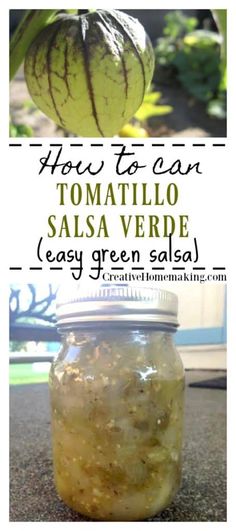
(20, 130)
(28, 28)
(152, 97)
(133, 131)
(223, 81)
(148, 109)
(203, 38)
(178, 24)
(216, 108)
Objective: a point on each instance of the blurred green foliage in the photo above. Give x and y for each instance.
(177, 26)
(20, 130)
(194, 58)
(198, 64)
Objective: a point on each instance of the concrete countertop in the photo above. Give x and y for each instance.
(202, 497)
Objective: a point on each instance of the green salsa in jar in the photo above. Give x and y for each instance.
(117, 390)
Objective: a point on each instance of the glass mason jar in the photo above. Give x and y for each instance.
(117, 403)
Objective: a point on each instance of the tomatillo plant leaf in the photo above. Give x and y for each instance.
(31, 24)
(147, 110)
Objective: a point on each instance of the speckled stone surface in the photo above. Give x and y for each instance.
(202, 497)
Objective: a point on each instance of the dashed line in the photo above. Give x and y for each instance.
(158, 145)
(15, 145)
(60, 268)
(117, 145)
(76, 145)
(35, 145)
(55, 145)
(137, 145)
(178, 145)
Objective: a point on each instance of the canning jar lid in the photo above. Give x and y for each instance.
(121, 303)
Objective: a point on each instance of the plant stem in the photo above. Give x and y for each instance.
(220, 16)
(29, 27)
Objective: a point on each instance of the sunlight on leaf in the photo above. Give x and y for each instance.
(202, 38)
(133, 131)
(147, 110)
(216, 109)
(152, 97)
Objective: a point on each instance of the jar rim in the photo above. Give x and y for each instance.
(116, 303)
